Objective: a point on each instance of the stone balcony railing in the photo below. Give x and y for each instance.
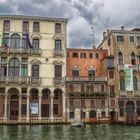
(86, 78)
(29, 51)
(122, 67)
(19, 79)
(58, 52)
(58, 80)
(132, 93)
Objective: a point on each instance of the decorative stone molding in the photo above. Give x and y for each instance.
(36, 35)
(58, 62)
(75, 67)
(90, 67)
(58, 37)
(35, 61)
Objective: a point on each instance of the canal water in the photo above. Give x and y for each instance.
(66, 132)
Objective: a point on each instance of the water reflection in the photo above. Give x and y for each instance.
(66, 132)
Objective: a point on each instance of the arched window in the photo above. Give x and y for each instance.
(45, 93)
(135, 83)
(34, 93)
(92, 114)
(133, 58)
(14, 66)
(120, 58)
(122, 83)
(15, 41)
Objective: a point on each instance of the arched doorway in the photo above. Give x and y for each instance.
(14, 103)
(113, 116)
(45, 106)
(58, 105)
(130, 108)
(92, 114)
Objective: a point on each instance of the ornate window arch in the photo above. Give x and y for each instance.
(15, 41)
(120, 58)
(133, 58)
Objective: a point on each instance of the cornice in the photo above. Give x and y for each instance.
(34, 18)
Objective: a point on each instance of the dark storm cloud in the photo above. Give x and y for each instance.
(82, 15)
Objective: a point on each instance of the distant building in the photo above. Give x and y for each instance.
(86, 85)
(32, 68)
(122, 68)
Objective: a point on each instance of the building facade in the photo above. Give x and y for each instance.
(86, 85)
(122, 68)
(33, 68)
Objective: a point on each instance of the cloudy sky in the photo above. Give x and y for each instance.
(82, 15)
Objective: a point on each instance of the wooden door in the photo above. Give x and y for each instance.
(14, 110)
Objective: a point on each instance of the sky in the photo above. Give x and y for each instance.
(87, 19)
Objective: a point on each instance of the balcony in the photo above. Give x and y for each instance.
(58, 80)
(97, 79)
(35, 80)
(58, 52)
(122, 67)
(29, 51)
(19, 80)
(14, 79)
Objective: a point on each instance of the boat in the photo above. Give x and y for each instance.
(77, 124)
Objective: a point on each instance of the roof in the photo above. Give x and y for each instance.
(24, 17)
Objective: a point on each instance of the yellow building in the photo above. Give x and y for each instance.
(122, 68)
(33, 68)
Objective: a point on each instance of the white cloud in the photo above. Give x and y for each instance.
(101, 14)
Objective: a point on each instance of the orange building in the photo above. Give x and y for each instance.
(86, 84)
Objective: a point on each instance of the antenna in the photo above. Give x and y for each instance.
(92, 35)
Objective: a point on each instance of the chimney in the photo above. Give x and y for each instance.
(122, 28)
(104, 35)
(107, 31)
(93, 47)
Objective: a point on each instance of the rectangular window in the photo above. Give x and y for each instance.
(82, 103)
(25, 26)
(92, 103)
(35, 43)
(36, 27)
(131, 38)
(71, 115)
(102, 88)
(35, 71)
(75, 55)
(113, 103)
(82, 55)
(68, 54)
(90, 55)
(6, 25)
(110, 62)
(24, 42)
(111, 74)
(55, 109)
(120, 38)
(91, 74)
(82, 88)
(58, 71)
(102, 103)
(58, 44)
(57, 27)
(3, 66)
(71, 103)
(103, 113)
(112, 89)
(75, 73)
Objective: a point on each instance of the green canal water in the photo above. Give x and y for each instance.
(66, 132)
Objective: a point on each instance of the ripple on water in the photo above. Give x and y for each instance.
(66, 132)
